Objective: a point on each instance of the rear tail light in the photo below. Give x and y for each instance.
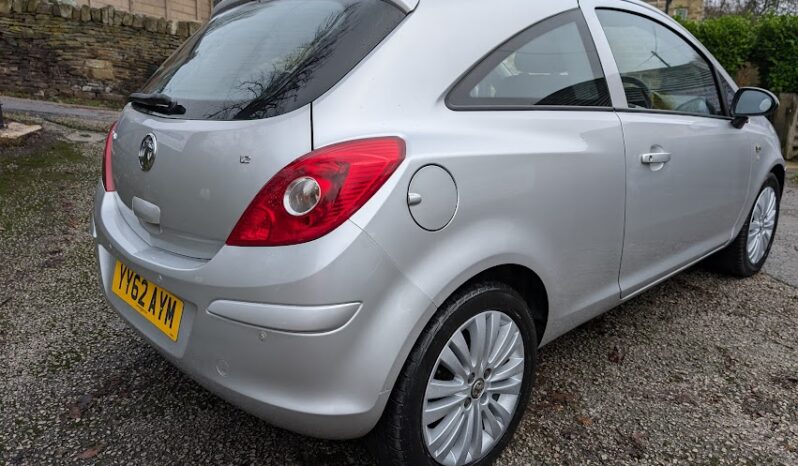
(108, 180)
(317, 192)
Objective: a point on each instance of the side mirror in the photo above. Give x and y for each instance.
(750, 102)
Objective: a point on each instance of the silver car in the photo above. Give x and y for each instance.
(366, 216)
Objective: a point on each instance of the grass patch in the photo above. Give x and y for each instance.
(81, 125)
(59, 361)
(32, 175)
(24, 169)
(21, 117)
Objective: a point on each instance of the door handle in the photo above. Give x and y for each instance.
(655, 157)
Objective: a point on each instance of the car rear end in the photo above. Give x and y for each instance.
(223, 236)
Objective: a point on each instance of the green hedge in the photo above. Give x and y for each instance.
(769, 42)
(776, 52)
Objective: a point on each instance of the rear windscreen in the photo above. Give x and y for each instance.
(266, 58)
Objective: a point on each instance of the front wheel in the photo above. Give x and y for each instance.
(747, 254)
(464, 387)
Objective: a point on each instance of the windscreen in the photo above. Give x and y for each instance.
(266, 58)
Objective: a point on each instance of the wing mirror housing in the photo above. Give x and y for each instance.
(750, 102)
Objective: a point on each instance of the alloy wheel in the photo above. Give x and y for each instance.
(762, 225)
(474, 389)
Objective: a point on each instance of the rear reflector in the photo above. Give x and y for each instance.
(108, 180)
(347, 175)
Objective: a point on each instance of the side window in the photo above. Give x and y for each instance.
(553, 63)
(659, 69)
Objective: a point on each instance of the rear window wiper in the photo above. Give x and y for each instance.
(160, 103)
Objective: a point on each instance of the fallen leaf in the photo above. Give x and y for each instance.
(561, 398)
(616, 355)
(90, 452)
(53, 261)
(77, 408)
(85, 400)
(686, 398)
(585, 421)
(639, 440)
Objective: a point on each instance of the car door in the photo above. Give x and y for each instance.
(687, 167)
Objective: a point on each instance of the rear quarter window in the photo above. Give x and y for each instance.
(266, 58)
(553, 63)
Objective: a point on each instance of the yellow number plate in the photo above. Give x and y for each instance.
(160, 307)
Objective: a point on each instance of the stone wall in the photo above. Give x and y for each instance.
(183, 10)
(55, 49)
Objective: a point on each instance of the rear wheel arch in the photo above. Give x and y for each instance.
(525, 282)
(781, 175)
(520, 278)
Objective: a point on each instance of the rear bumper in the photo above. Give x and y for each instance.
(308, 337)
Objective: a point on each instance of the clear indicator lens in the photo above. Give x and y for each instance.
(301, 196)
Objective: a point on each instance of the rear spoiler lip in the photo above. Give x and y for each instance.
(405, 5)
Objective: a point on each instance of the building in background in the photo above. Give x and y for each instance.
(691, 9)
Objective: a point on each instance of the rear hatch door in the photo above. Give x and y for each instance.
(240, 93)
(203, 175)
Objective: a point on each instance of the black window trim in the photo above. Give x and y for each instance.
(584, 32)
(716, 75)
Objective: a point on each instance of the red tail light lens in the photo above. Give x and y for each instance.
(108, 180)
(317, 192)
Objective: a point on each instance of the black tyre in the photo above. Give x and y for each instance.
(749, 251)
(457, 401)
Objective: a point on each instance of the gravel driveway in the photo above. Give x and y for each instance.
(700, 370)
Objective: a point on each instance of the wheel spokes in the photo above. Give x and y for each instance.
(479, 334)
(500, 343)
(512, 367)
(762, 225)
(450, 361)
(459, 347)
(475, 447)
(509, 345)
(444, 434)
(437, 409)
(511, 386)
(468, 409)
(493, 426)
(445, 388)
(494, 332)
(500, 411)
(463, 445)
